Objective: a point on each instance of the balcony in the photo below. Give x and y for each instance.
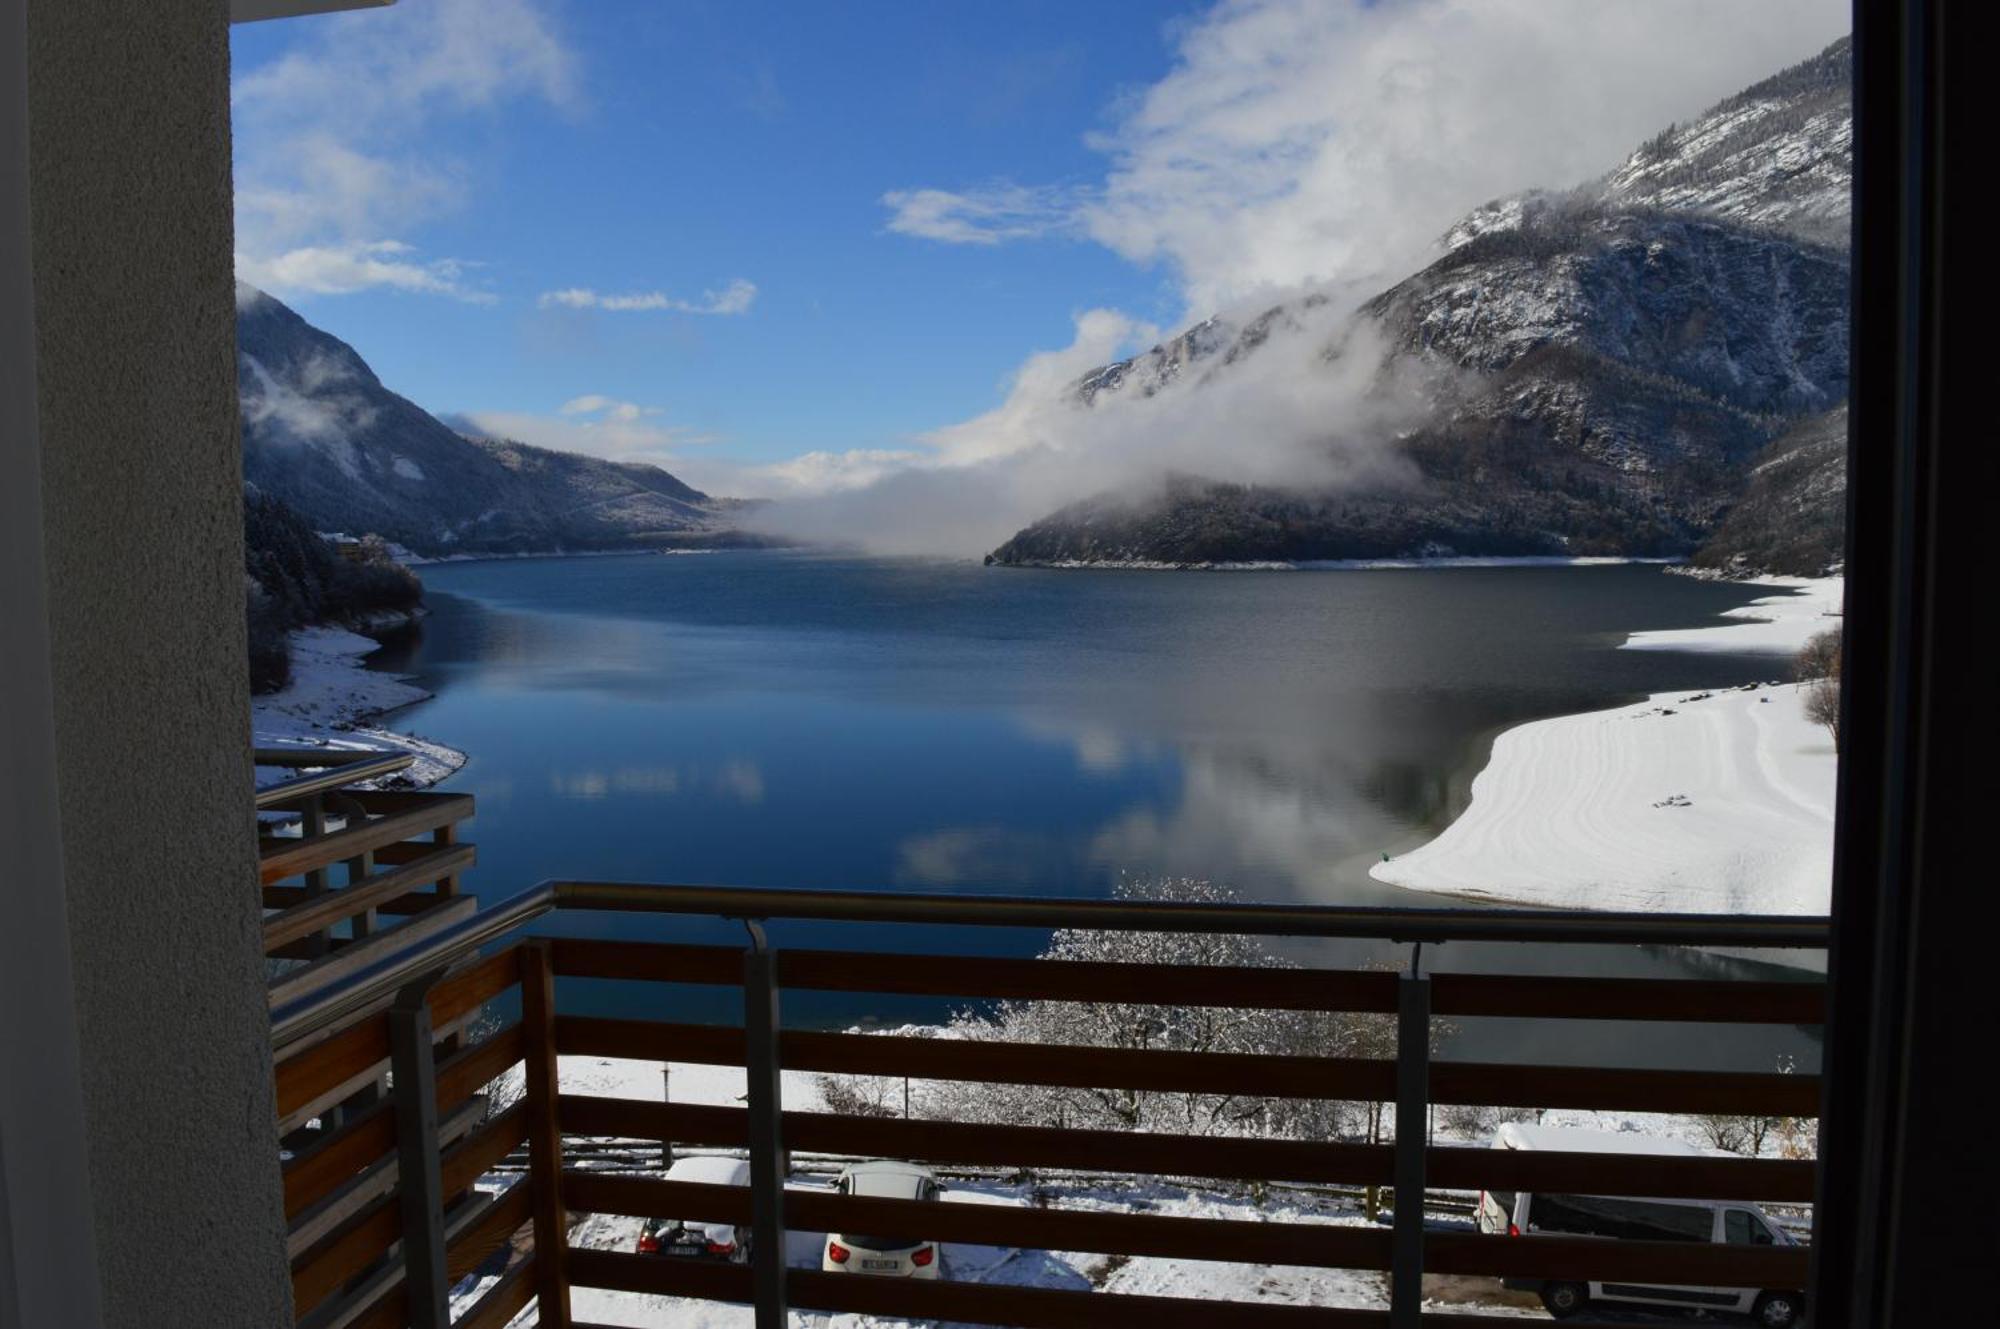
(379, 1093)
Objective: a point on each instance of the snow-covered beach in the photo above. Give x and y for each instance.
(332, 701)
(1686, 802)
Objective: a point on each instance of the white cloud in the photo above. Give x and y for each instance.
(341, 269)
(1286, 416)
(735, 298)
(816, 473)
(596, 425)
(338, 140)
(1305, 141)
(985, 215)
(609, 407)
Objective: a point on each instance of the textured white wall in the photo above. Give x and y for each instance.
(48, 1267)
(129, 201)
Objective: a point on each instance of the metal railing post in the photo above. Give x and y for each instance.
(1413, 1085)
(418, 1180)
(767, 1144)
(541, 1069)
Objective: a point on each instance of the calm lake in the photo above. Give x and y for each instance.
(790, 719)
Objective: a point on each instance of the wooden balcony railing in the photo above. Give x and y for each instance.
(383, 1218)
(397, 854)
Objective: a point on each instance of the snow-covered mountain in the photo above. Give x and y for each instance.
(1604, 365)
(321, 433)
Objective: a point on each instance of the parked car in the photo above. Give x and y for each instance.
(901, 1256)
(1523, 1214)
(699, 1240)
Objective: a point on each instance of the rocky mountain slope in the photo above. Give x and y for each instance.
(1792, 518)
(1604, 367)
(322, 434)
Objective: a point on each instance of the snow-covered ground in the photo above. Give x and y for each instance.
(1777, 624)
(1688, 802)
(331, 701)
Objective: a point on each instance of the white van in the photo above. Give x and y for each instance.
(1517, 1214)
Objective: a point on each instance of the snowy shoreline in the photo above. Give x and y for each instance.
(1329, 564)
(1704, 802)
(332, 703)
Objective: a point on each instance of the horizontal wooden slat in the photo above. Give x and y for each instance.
(288, 857)
(504, 1216)
(389, 802)
(1232, 1158)
(503, 1300)
(353, 1052)
(315, 1172)
(1757, 1179)
(473, 986)
(991, 1062)
(366, 1186)
(473, 1157)
(361, 952)
(410, 902)
(323, 910)
(320, 1272)
(1253, 988)
(1318, 1245)
(1490, 1084)
(1697, 1001)
(1353, 1078)
(646, 961)
(966, 1303)
(465, 1071)
(313, 1076)
(379, 1302)
(1593, 1259)
(1509, 995)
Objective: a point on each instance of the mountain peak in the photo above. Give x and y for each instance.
(323, 434)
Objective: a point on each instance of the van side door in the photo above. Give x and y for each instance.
(1741, 1227)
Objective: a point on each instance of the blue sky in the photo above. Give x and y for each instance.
(700, 144)
(797, 248)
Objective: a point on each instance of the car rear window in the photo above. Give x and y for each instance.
(879, 1243)
(1630, 1220)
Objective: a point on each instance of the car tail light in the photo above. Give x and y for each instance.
(923, 1256)
(1513, 1230)
(836, 1252)
(648, 1244)
(721, 1247)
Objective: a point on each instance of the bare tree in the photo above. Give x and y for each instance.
(1817, 665)
(1822, 703)
(1818, 658)
(1183, 1024)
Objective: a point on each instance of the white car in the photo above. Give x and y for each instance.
(886, 1257)
(690, 1239)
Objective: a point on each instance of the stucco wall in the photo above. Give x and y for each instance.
(135, 334)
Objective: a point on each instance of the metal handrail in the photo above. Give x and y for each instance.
(338, 775)
(1754, 931)
(380, 981)
(293, 1021)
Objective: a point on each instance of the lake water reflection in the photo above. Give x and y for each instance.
(803, 720)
